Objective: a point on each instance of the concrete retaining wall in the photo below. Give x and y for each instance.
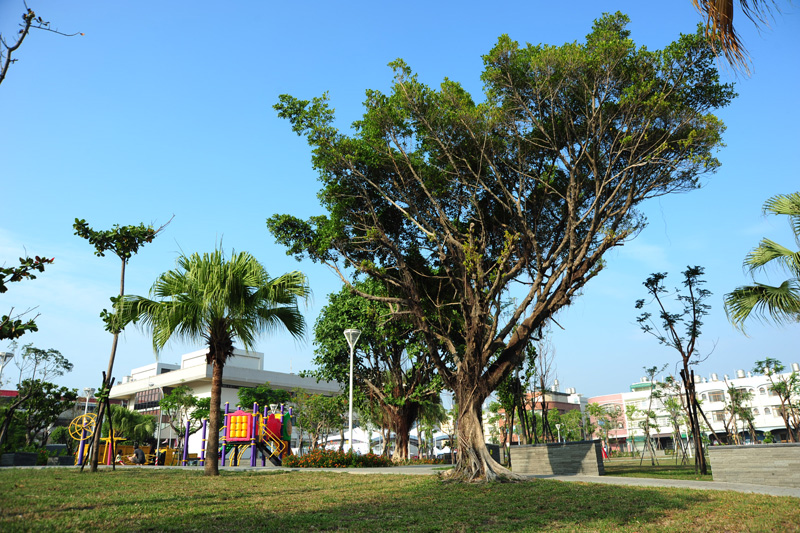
(763, 464)
(19, 459)
(583, 457)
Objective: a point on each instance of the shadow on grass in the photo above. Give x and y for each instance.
(541, 504)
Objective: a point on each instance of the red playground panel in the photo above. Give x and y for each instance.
(274, 424)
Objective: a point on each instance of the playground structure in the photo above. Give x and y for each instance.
(268, 433)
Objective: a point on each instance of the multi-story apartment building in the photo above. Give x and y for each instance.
(715, 401)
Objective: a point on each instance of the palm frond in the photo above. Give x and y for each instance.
(779, 304)
(770, 252)
(209, 295)
(789, 205)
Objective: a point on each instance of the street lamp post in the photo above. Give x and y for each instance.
(88, 391)
(352, 336)
(558, 428)
(158, 429)
(5, 357)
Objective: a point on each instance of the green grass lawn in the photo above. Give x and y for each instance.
(147, 499)
(666, 469)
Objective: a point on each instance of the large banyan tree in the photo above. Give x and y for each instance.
(459, 207)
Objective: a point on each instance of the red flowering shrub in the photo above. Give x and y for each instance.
(320, 458)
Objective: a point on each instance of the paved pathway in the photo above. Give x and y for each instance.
(608, 480)
(427, 470)
(684, 484)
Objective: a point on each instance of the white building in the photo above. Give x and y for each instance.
(145, 386)
(712, 391)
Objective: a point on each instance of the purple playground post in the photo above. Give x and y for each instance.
(253, 435)
(186, 443)
(203, 444)
(264, 436)
(281, 436)
(227, 409)
(83, 443)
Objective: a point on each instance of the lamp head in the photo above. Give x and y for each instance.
(352, 336)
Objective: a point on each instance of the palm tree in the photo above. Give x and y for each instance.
(217, 300)
(780, 304)
(132, 425)
(718, 16)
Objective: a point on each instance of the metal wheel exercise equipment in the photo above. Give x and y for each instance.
(79, 424)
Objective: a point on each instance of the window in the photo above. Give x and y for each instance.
(762, 391)
(703, 396)
(147, 399)
(716, 396)
(767, 411)
(718, 416)
(755, 411)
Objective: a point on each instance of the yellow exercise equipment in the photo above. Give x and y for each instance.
(79, 424)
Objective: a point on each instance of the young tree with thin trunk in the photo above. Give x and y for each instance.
(217, 300)
(690, 317)
(606, 418)
(785, 388)
(180, 406)
(455, 205)
(124, 242)
(650, 418)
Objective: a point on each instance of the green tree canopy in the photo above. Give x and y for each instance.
(449, 202)
(46, 401)
(11, 325)
(38, 363)
(319, 415)
(180, 406)
(390, 367)
(263, 395)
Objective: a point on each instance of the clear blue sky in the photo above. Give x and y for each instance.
(165, 108)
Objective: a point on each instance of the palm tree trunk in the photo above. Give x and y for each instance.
(212, 456)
